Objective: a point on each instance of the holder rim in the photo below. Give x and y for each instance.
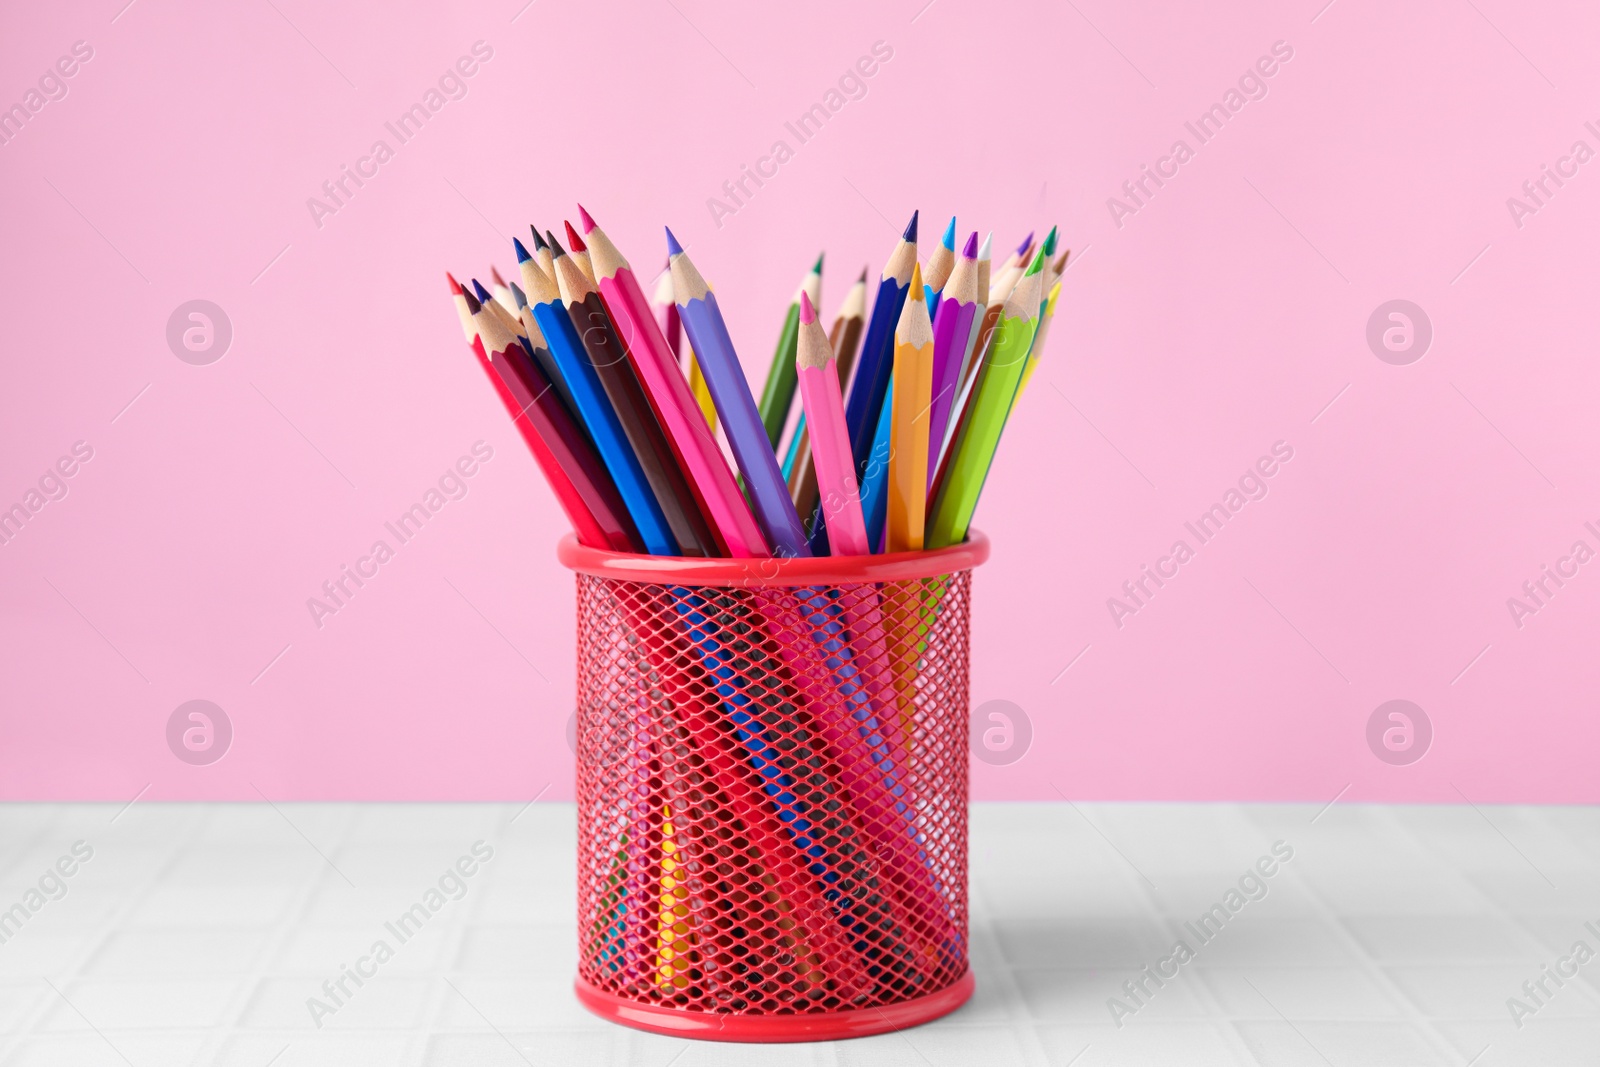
(775, 1029)
(805, 570)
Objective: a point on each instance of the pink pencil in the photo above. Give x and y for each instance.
(830, 437)
(675, 406)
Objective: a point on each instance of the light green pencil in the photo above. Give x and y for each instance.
(990, 405)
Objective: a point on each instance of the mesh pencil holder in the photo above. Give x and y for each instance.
(772, 791)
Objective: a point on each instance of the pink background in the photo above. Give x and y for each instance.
(1224, 316)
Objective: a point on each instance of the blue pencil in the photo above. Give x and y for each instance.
(597, 415)
(875, 479)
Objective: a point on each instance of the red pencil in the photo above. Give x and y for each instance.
(581, 485)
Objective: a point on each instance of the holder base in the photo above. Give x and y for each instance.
(775, 1029)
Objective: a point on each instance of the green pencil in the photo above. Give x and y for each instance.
(996, 389)
(778, 394)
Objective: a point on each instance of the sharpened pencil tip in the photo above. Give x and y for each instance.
(808, 314)
(911, 229)
(816, 268)
(1038, 262)
(455, 286)
(984, 250)
(573, 240)
(863, 278)
(494, 274)
(916, 278)
(949, 238)
(538, 242)
(555, 245)
(483, 294)
(522, 253)
(473, 303)
(586, 219)
(970, 251)
(1026, 241)
(673, 247)
(1049, 245)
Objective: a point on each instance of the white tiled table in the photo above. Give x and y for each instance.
(1394, 936)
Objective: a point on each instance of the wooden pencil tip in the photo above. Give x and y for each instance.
(863, 278)
(573, 239)
(473, 303)
(1038, 263)
(985, 250)
(483, 294)
(911, 229)
(555, 245)
(673, 247)
(816, 268)
(455, 286)
(808, 314)
(916, 278)
(970, 250)
(1027, 242)
(522, 253)
(538, 242)
(1050, 242)
(586, 219)
(949, 238)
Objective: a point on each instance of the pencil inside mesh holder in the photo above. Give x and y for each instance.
(772, 784)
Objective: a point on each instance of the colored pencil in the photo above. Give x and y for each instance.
(502, 292)
(952, 331)
(991, 404)
(537, 281)
(1040, 337)
(876, 362)
(702, 321)
(984, 265)
(541, 250)
(580, 252)
(593, 408)
(694, 446)
(834, 467)
(563, 453)
(844, 338)
(672, 326)
(875, 476)
(908, 435)
(508, 319)
(777, 396)
(940, 264)
(608, 355)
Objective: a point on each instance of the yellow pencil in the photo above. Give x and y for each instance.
(908, 432)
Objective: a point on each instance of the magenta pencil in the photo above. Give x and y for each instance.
(830, 437)
(952, 329)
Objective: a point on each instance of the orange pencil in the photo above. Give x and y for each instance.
(908, 434)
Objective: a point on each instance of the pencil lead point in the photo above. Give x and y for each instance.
(673, 247)
(586, 219)
(555, 245)
(985, 249)
(538, 242)
(949, 238)
(911, 229)
(494, 274)
(573, 240)
(483, 294)
(863, 278)
(916, 278)
(970, 251)
(1050, 242)
(1038, 262)
(1026, 241)
(455, 286)
(473, 303)
(816, 268)
(522, 252)
(808, 314)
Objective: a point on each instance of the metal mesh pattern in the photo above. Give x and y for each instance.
(772, 793)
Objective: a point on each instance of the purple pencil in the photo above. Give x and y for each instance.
(952, 330)
(730, 391)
